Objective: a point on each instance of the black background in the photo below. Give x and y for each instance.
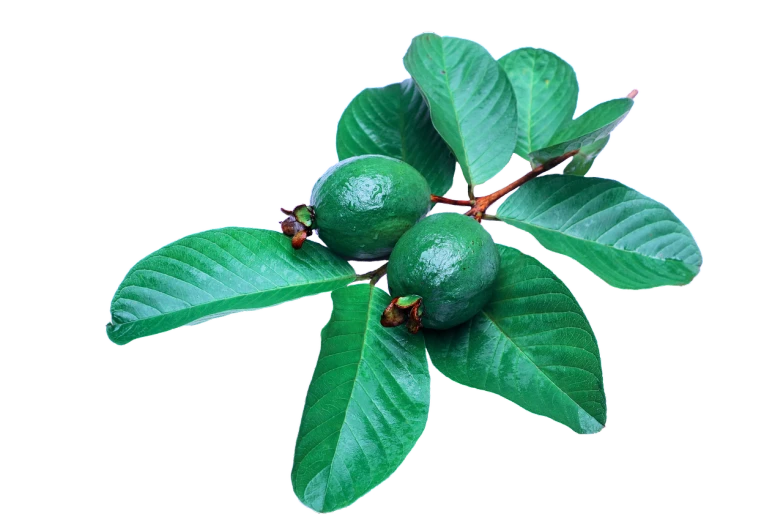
(201, 432)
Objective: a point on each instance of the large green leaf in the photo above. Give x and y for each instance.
(395, 121)
(581, 163)
(471, 102)
(366, 406)
(546, 91)
(626, 238)
(588, 128)
(531, 344)
(218, 272)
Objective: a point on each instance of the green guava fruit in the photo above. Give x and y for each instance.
(363, 205)
(451, 262)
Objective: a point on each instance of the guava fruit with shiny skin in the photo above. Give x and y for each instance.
(449, 260)
(363, 205)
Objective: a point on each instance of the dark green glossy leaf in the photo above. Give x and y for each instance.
(546, 90)
(366, 406)
(395, 121)
(531, 344)
(588, 128)
(626, 238)
(471, 102)
(581, 163)
(218, 272)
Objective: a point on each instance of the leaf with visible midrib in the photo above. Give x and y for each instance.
(588, 128)
(395, 121)
(546, 90)
(366, 406)
(471, 102)
(624, 237)
(218, 272)
(531, 344)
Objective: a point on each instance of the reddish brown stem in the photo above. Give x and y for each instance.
(632, 94)
(483, 203)
(459, 202)
(373, 276)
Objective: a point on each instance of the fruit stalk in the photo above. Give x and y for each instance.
(374, 276)
(447, 201)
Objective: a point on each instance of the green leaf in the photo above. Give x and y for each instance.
(366, 406)
(395, 121)
(588, 128)
(625, 238)
(218, 272)
(471, 101)
(546, 90)
(581, 163)
(531, 344)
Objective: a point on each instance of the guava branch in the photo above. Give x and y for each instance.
(447, 201)
(374, 276)
(483, 203)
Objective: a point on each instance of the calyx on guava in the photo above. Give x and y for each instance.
(361, 206)
(451, 262)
